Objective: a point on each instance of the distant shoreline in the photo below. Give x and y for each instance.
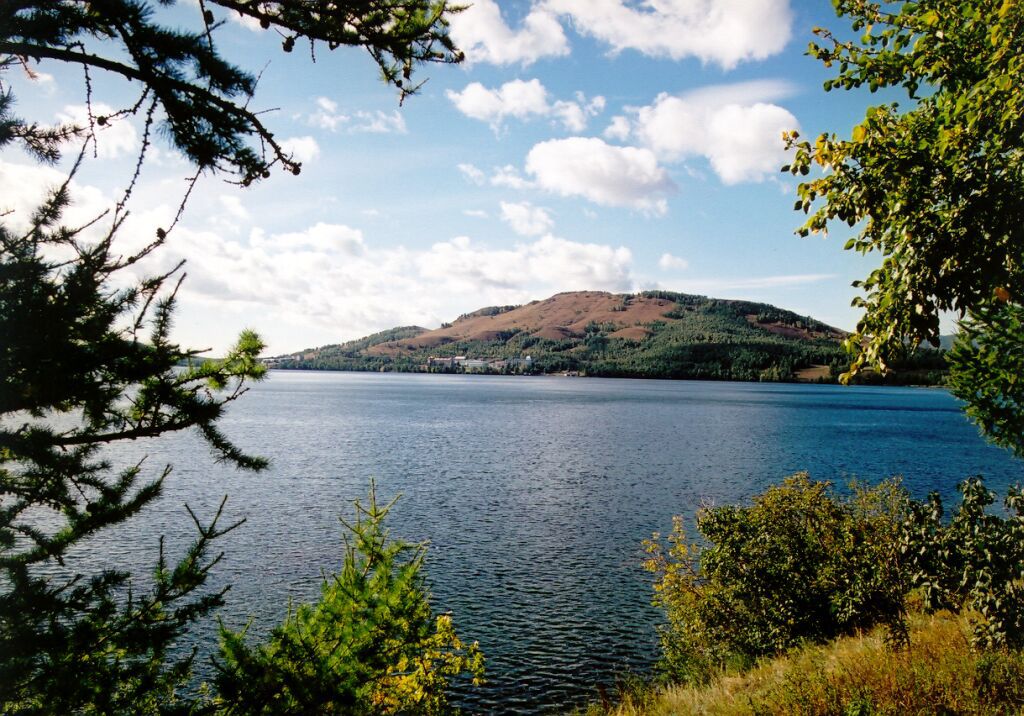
(608, 377)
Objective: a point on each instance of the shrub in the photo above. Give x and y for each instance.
(800, 563)
(371, 645)
(973, 561)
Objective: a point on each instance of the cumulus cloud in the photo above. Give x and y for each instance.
(302, 149)
(510, 178)
(329, 278)
(505, 176)
(574, 115)
(526, 219)
(735, 127)
(115, 138)
(234, 208)
(484, 36)
(513, 99)
(600, 172)
(523, 100)
(548, 262)
(725, 32)
(26, 186)
(672, 263)
(328, 116)
(619, 129)
(335, 238)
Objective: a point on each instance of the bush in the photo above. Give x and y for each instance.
(973, 561)
(801, 563)
(371, 645)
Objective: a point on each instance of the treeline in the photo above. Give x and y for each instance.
(762, 602)
(700, 338)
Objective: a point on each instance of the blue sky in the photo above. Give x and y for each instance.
(585, 144)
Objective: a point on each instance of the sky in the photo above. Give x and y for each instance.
(611, 145)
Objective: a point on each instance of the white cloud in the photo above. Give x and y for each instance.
(526, 219)
(333, 238)
(475, 213)
(673, 263)
(249, 23)
(314, 278)
(513, 99)
(114, 138)
(43, 82)
(472, 173)
(549, 263)
(600, 172)
(510, 178)
(378, 122)
(302, 149)
(523, 100)
(505, 176)
(481, 33)
(619, 128)
(574, 115)
(725, 32)
(26, 186)
(328, 116)
(234, 207)
(734, 127)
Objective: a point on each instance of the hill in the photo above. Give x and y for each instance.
(654, 334)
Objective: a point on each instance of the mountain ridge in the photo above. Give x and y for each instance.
(652, 334)
(584, 331)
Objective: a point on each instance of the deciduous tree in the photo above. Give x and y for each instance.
(933, 183)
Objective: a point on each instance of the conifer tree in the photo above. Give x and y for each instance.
(371, 645)
(84, 364)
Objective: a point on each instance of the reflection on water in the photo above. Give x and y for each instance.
(534, 493)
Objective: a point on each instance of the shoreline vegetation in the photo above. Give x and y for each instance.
(859, 674)
(804, 601)
(819, 601)
(651, 334)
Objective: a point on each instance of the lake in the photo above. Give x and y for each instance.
(534, 492)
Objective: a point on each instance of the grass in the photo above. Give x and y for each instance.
(937, 674)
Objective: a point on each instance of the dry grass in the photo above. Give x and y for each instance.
(937, 674)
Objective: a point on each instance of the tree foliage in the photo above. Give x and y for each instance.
(702, 338)
(800, 563)
(988, 372)
(83, 365)
(974, 560)
(86, 355)
(202, 98)
(934, 183)
(371, 645)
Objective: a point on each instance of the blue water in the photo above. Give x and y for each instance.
(535, 495)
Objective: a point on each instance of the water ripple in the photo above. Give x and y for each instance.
(535, 495)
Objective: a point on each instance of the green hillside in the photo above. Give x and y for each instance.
(654, 334)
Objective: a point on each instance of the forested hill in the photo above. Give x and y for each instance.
(654, 334)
